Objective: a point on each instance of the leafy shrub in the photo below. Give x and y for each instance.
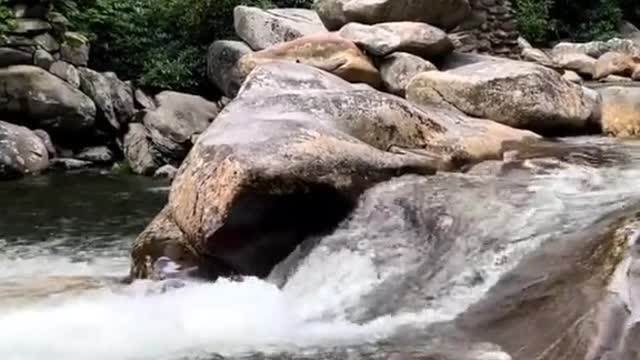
(534, 20)
(160, 44)
(6, 21)
(542, 21)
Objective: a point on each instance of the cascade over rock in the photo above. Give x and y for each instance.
(322, 141)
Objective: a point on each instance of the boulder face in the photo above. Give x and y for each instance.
(262, 29)
(578, 62)
(518, 94)
(443, 14)
(329, 52)
(22, 152)
(97, 154)
(75, 49)
(620, 111)
(615, 63)
(66, 72)
(32, 94)
(596, 49)
(415, 38)
(222, 65)
(537, 56)
(138, 150)
(176, 120)
(112, 96)
(321, 142)
(10, 56)
(399, 68)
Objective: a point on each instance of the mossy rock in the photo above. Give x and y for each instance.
(75, 39)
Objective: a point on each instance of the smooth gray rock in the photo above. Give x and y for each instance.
(112, 96)
(262, 28)
(222, 69)
(96, 154)
(167, 172)
(47, 42)
(75, 49)
(445, 14)
(69, 164)
(383, 39)
(45, 100)
(43, 59)
(176, 120)
(514, 93)
(399, 68)
(22, 152)
(143, 101)
(581, 63)
(66, 72)
(10, 56)
(138, 150)
(537, 56)
(596, 49)
(122, 97)
(572, 76)
(46, 140)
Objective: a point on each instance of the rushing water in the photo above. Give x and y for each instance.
(417, 251)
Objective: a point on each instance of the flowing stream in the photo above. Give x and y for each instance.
(417, 251)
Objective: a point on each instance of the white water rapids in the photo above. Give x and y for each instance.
(54, 304)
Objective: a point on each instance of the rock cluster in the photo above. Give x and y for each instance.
(612, 67)
(317, 118)
(87, 117)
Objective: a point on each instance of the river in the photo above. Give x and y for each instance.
(416, 252)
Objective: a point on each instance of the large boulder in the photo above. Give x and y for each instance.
(66, 72)
(24, 26)
(615, 63)
(138, 150)
(399, 68)
(383, 39)
(75, 49)
(262, 28)
(288, 158)
(46, 140)
(122, 98)
(43, 59)
(596, 49)
(620, 111)
(96, 154)
(10, 56)
(329, 52)
(31, 94)
(222, 65)
(175, 122)
(21, 151)
(444, 14)
(518, 94)
(112, 96)
(47, 42)
(581, 63)
(537, 56)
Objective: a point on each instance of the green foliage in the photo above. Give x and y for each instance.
(157, 43)
(6, 19)
(543, 21)
(533, 18)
